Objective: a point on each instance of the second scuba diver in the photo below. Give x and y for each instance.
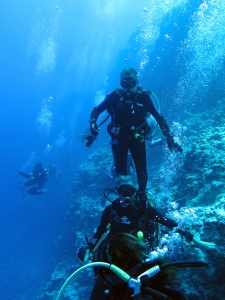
(126, 214)
(37, 178)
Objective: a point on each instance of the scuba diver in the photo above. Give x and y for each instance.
(126, 272)
(129, 108)
(149, 280)
(38, 177)
(127, 214)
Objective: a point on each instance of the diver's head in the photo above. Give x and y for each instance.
(129, 254)
(126, 190)
(38, 166)
(126, 252)
(129, 80)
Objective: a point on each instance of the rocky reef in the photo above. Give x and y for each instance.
(188, 187)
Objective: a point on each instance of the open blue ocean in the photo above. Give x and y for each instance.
(58, 59)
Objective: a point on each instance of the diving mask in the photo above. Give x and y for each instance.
(126, 193)
(128, 83)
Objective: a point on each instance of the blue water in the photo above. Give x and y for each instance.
(58, 59)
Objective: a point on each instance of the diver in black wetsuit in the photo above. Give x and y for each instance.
(38, 178)
(129, 108)
(126, 214)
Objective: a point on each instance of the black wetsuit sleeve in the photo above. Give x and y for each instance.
(105, 219)
(156, 216)
(100, 108)
(150, 107)
(28, 176)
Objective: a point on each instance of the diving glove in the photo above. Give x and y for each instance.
(81, 251)
(173, 145)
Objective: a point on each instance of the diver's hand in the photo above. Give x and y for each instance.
(81, 253)
(94, 128)
(173, 146)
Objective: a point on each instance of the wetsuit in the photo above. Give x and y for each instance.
(129, 129)
(131, 219)
(38, 178)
